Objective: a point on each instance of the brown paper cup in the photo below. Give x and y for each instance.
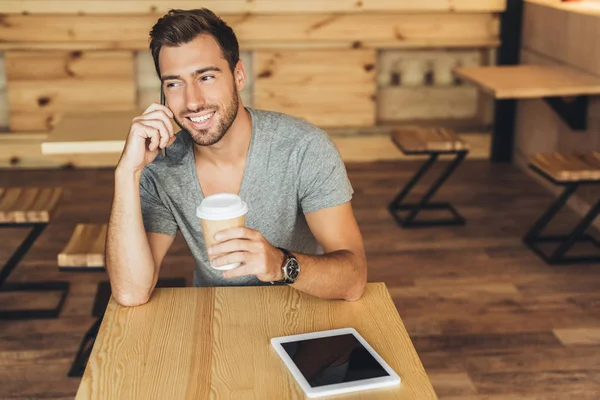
(219, 212)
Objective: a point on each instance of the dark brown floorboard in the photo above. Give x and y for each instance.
(480, 307)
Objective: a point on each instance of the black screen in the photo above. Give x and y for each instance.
(334, 359)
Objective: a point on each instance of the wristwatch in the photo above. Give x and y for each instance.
(290, 268)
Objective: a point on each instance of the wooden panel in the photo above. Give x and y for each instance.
(254, 31)
(42, 85)
(66, 65)
(420, 85)
(24, 205)
(85, 247)
(314, 85)
(424, 67)
(396, 103)
(531, 81)
(3, 96)
(243, 6)
(19, 150)
(571, 44)
(587, 7)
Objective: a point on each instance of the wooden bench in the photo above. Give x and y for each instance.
(570, 170)
(30, 208)
(28, 205)
(565, 168)
(425, 141)
(85, 250)
(432, 142)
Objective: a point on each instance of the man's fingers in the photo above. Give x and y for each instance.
(230, 258)
(230, 246)
(155, 106)
(154, 136)
(240, 232)
(242, 270)
(158, 115)
(159, 125)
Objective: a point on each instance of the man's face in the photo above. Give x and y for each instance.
(200, 88)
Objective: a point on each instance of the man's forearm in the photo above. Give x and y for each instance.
(337, 275)
(129, 260)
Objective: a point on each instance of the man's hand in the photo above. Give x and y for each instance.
(148, 133)
(249, 247)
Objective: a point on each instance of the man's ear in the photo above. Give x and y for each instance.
(239, 74)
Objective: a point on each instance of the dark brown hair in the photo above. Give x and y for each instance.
(178, 27)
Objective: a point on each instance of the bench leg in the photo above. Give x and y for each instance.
(413, 209)
(18, 255)
(564, 242)
(11, 264)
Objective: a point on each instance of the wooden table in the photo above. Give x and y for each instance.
(196, 343)
(89, 132)
(511, 83)
(530, 81)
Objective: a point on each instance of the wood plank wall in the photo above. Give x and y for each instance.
(539, 129)
(3, 96)
(65, 55)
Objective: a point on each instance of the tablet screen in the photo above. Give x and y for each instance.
(334, 359)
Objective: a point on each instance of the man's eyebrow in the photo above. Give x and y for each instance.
(195, 73)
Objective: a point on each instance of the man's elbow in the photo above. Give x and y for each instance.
(358, 289)
(130, 299)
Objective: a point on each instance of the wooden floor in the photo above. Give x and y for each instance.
(489, 319)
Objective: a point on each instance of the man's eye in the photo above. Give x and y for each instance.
(172, 84)
(207, 78)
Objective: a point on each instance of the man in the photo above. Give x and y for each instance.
(300, 227)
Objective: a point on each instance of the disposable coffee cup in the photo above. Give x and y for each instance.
(219, 212)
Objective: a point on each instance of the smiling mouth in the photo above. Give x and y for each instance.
(201, 119)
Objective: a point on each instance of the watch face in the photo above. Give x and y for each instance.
(292, 269)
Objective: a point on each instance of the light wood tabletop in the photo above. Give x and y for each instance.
(196, 343)
(530, 81)
(91, 132)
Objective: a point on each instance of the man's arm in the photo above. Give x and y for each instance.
(340, 273)
(133, 258)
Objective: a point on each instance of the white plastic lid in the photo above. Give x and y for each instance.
(221, 206)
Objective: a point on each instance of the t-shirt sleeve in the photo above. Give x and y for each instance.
(323, 181)
(156, 215)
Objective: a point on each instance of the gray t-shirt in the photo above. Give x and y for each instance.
(292, 168)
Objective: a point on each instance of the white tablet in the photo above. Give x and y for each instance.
(334, 362)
